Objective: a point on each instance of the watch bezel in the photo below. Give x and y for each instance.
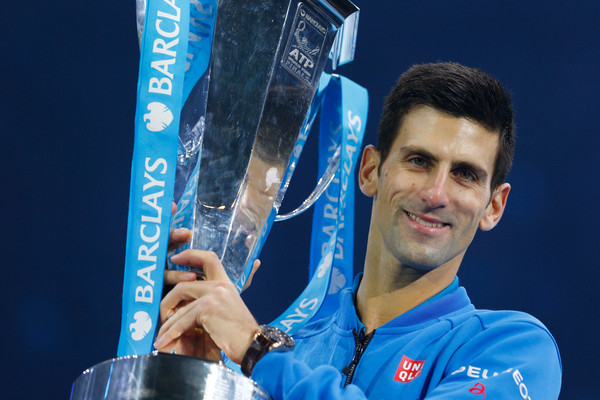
(279, 339)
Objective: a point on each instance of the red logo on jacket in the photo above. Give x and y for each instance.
(408, 369)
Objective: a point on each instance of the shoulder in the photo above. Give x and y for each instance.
(488, 326)
(508, 352)
(507, 323)
(515, 338)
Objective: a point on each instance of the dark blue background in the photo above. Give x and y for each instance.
(69, 74)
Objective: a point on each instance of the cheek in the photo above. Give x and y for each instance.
(473, 210)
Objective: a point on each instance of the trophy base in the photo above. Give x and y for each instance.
(163, 376)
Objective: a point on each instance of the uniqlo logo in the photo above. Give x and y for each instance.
(408, 369)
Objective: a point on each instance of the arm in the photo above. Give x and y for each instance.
(514, 359)
(286, 378)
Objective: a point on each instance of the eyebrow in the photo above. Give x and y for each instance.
(479, 172)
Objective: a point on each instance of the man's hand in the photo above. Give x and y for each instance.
(200, 317)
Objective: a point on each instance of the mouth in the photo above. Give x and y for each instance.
(428, 224)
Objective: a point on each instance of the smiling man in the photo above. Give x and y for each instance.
(406, 329)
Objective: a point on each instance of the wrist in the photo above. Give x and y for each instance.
(264, 340)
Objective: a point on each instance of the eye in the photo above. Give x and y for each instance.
(419, 162)
(465, 175)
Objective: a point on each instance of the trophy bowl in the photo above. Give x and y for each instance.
(161, 376)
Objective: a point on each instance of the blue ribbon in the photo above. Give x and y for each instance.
(160, 87)
(343, 121)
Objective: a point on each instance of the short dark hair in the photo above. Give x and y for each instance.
(459, 91)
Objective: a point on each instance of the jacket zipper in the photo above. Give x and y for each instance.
(361, 342)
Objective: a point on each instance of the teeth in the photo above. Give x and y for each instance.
(424, 223)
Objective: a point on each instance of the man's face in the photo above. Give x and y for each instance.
(433, 190)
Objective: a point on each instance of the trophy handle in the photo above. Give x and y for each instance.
(321, 186)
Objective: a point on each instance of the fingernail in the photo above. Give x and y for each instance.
(189, 276)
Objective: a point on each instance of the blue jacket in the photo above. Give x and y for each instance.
(442, 349)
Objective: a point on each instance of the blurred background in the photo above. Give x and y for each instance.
(69, 76)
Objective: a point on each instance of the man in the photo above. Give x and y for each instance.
(406, 330)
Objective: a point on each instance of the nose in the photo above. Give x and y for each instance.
(435, 193)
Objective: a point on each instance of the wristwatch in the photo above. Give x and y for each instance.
(268, 338)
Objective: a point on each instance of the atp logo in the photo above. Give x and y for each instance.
(142, 325)
(158, 118)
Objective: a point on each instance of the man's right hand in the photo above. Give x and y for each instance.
(201, 317)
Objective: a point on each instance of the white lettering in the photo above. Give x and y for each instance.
(330, 211)
(328, 230)
(144, 273)
(294, 53)
(353, 120)
(476, 372)
(150, 233)
(473, 372)
(145, 253)
(155, 165)
(520, 383)
(163, 66)
(152, 201)
(339, 254)
(461, 369)
(310, 304)
(160, 86)
(143, 294)
(153, 182)
(201, 7)
(330, 197)
(148, 239)
(164, 33)
(162, 47)
(299, 316)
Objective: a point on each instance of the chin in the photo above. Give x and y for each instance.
(423, 267)
(424, 262)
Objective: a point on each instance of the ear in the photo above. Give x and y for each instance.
(368, 172)
(495, 209)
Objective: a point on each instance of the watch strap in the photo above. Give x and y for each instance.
(266, 339)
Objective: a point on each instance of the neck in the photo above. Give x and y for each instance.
(389, 289)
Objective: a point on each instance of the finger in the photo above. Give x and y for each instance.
(172, 278)
(176, 326)
(182, 293)
(207, 260)
(255, 267)
(179, 237)
(173, 208)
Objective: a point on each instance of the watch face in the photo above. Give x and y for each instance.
(278, 337)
